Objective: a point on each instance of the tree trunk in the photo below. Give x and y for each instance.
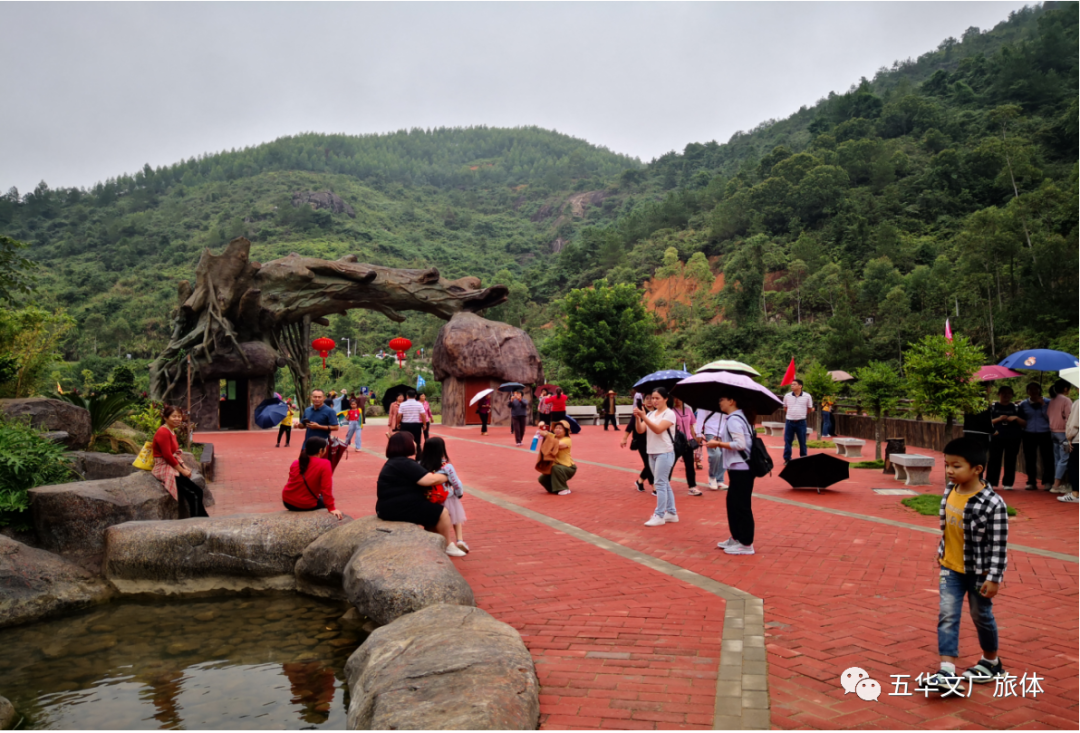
(948, 430)
(877, 434)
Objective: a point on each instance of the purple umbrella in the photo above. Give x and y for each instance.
(702, 391)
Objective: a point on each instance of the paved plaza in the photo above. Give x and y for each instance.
(637, 627)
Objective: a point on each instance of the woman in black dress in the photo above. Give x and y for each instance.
(402, 492)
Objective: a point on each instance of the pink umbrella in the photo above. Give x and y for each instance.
(990, 372)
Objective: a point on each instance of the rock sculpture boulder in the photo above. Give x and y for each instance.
(35, 584)
(48, 415)
(321, 569)
(398, 571)
(97, 466)
(444, 667)
(7, 714)
(71, 519)
(238, 552)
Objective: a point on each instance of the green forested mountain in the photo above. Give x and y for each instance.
(945, 186)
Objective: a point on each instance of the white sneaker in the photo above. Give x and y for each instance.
(1060, 490)
(1006, 488)
(454, 551)
(461, 544)
(739, 549)
(655, 521)
(729, 542)
(723, 486)
(564, 492)
(1069, 498)
(671, 518)
(712, 484)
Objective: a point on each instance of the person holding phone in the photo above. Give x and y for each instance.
(320, 419)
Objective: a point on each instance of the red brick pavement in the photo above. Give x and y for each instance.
(838, 591)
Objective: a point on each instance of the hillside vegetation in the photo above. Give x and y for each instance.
(944, 187)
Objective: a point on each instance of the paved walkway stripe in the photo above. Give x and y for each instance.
(1064, 557)
(742, 683)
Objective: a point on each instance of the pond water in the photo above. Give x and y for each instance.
(257, 662)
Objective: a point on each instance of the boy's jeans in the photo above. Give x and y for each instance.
(354, 428)
(826, 424)
(794, 429)
(716, 461)
(953, 587)
(661, 465)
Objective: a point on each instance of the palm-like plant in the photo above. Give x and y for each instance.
(104, 411)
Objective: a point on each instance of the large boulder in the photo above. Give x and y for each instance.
(399, 570)
(321, 569)
(48, 415)
(470, 346)
(35, 584)
(93, 466)
(7, 714)
(442, 668)
(238, 552)
(71, 519)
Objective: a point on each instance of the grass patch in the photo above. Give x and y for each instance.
(929, 504)
(820, 444)
(868, 464)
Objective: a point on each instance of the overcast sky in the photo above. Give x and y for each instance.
(90, 90)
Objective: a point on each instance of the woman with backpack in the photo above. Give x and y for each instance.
(736, 441)
(311, 480)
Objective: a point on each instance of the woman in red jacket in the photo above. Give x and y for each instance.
(169, 467)
(311, 480)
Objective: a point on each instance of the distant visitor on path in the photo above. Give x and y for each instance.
(285, 428)
(169, 466)
(610, 416)
(685, 423)
(1038, 443)
(319, 419)
(412, 417)
(519, 415)
(972, 557)
(555, 464)
(393, 418)
(711, 422)
(543, 407)
(1004, 442)
(735, 441)
(798, 405)
(355, 418)
(427, 411)
(1058, 413)
(402, 492)
(310, 485)
(827, 405)
(658, 428)
(435, 460)
(558, 405)
(483, 410)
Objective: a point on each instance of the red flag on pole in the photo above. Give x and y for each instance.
(789, 375)
(948, 331)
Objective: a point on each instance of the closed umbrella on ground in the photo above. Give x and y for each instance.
(818, 471)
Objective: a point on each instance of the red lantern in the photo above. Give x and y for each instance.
(400, 345)
(323, 346)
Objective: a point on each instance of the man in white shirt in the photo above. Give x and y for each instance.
(711, 423)
(411, 418)
(798, 405)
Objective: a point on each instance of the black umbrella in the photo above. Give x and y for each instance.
(270, 412)
(512, 387)
(391, 394)
(815, 472)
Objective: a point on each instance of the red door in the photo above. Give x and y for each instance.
(472, 386)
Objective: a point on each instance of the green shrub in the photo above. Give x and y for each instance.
(868, 464)
(26, 460)
(929, 504)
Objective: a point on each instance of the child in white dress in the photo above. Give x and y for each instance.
(435, 460)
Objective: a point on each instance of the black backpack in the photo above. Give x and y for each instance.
(759, 461)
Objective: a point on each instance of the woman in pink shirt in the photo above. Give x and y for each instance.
(1058, 414)
(685, 422)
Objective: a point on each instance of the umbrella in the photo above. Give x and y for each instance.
(815, 472)
(549, 387)
(1040, 360)
(480, 395)
(991, 372)
(270, 412)
(1070, 376)
(728, 365)
(665, 378)
(391, 394)
(511, 387)
(840, 375)
(703, 391)
(575, 428)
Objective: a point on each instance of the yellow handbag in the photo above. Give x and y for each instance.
(145, 459)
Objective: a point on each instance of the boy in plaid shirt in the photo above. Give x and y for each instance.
(975, 531)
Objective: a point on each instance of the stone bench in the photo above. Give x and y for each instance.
(773, 428)
(583, 414)
(850, 447)
(913, 470)
(623, 413)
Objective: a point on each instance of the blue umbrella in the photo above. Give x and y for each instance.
(270, 412)
(1040, 360)
(665, 378)
(574, 427)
